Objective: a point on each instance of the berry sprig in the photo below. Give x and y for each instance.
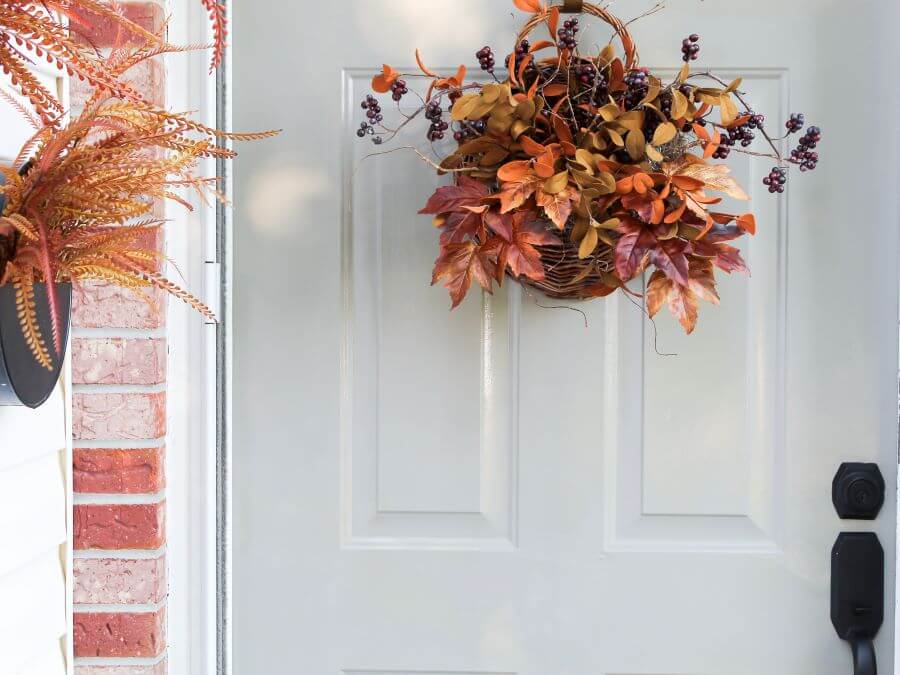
(776, 179)
(795, 123)
(435, 114)
(486, 60)
(566, 35)
(690, 48)
(373, 113)
(398, 90)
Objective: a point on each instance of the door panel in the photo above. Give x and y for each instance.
(514, 489)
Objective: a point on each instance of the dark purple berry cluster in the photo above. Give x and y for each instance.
(469, 130)
(723, 150)
(398, 89)
(795, 123)
(804, 154)
(587, 73)
(522, 51)
(776, 179)
(485, 58)
(373, 113)
(566, 34)
(434, 114)
(638, 83)
(742, 134)
(690, 48)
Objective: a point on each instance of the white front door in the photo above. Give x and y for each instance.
(502, 490)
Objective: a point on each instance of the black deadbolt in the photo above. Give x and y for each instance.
(857, 491)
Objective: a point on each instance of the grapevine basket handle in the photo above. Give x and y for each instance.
(579, 6)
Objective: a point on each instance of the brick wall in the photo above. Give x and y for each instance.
(119, 427)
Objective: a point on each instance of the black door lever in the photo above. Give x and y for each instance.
(857, 595)
(863, 656)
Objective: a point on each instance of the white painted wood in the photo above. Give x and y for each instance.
(191, 382)
(500, 489)
(35, 493)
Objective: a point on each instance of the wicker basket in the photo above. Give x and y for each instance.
(568, 276)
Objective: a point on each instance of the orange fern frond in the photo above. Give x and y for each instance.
(25, 309)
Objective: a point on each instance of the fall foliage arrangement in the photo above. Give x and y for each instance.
(575, 172)
(77, 203)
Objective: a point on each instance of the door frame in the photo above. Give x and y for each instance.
(195, 546)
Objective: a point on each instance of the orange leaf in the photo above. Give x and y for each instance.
(553, 21)
(563, 133)
(522, 66)
(675, 215)
(642, 183)
(532, 6)
(539, 45)
(747, 222)
(511, 68)
(687, 183)
(555, 90)
(382, 83)
(531, 146)
(514, 170)
(422, 66)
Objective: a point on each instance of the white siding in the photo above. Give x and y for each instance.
(35, 514)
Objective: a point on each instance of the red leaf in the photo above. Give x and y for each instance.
(631, 249)
(455, 198)
(669, 257)
(728, 259)
(461, 226)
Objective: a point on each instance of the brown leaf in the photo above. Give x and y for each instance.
(514, 192)
(457, 264)
(557, 183)
(558, 207)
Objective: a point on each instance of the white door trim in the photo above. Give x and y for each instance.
(192, 398)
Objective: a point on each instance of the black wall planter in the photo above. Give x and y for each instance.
(23, 381)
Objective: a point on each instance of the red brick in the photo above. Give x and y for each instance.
(98, 304)
(118, 360)
(99, 416)
(117, 635)
(100, 31)
(113, 581)
(105, 471)
(120, 526)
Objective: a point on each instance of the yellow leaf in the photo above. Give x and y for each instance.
(635, 143)
(615, 137)
(588, 244)
(684, 74)
(729, 109)
(557, 183)
(679, 105)
(610, 224)
(609, 112)
(664, 133)
(654, 154)
(734, 85)
(585, 159)
(464, 106)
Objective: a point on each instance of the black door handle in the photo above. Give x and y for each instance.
(857, 595)
(863, 656)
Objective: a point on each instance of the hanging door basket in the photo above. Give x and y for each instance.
(24, 381)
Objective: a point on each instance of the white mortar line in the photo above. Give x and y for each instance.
(134, 661)
(128, 444)
(119, 388)
(128, 333)
(120, 554)
(139, 608)
(119, 498)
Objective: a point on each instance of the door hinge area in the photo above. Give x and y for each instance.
(212, 288)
